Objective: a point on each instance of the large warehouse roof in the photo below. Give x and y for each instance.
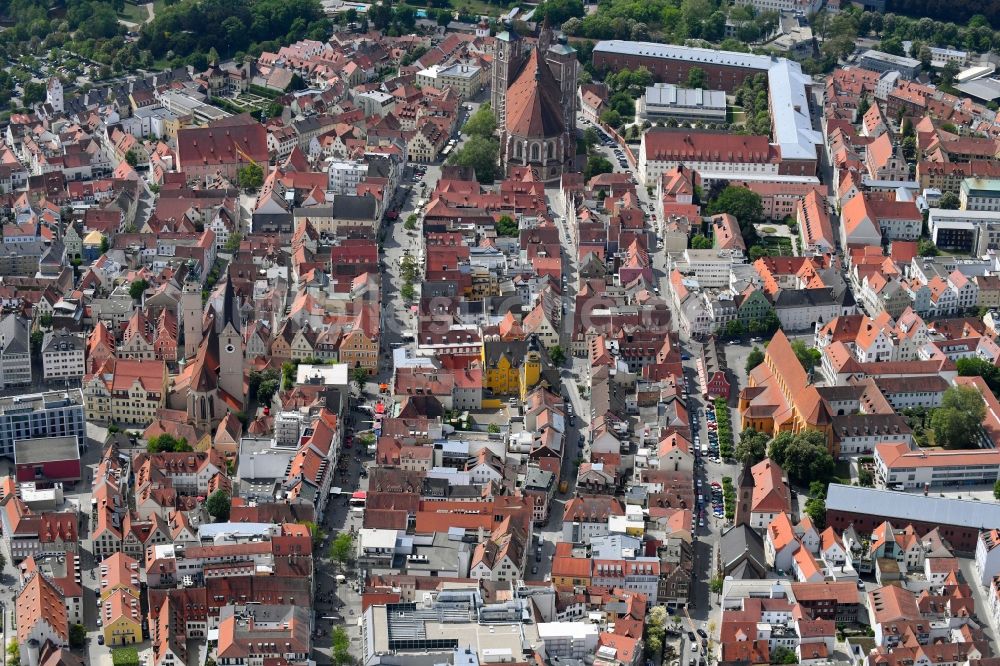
(902, 506)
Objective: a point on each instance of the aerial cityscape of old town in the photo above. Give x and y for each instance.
(479, 332)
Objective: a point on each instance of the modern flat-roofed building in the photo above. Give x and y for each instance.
(53, 414)
(879, 61)
(48, 459)
(466, 80)
(969, 231)
(980, 194)
(453, 619)
(15, 351)
(665, 100)
(897, 465)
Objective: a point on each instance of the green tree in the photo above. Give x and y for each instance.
(557, 355)
(167, 443)
(752, 446)
(250, 176)
(591, 137)
(360, 376)
(275, 109)
(407, 292)
(715, 585)
(996, 490)
(105, 244)
(804, 455)
(341, 642)
(744, 205)
(132, 158)
(33, 93)
(482, 154)
(507, 227)
(289, 370)
(734, 330)
(927, 248)
(815, 508)
(559, 11)
(808, 356)
(218, 505)
(138, 288)
(482, 123)
(700, 242)
(696, 78)
(77, 635)
(342, 548)
(315, 532)
(411, 222)
(380, 15)
(978, 367)
(265, 394)
(949, 201)
(958, 421)
(863, 107)
(754, 358)
(783, 655)
(611, 118)
(596, 165)
(233, 242)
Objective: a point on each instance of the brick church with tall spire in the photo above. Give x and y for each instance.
(534, 99)
(212, 381)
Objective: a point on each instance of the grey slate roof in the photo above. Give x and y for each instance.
(63, 340)
(797, 298)
(742, 540)
(910, 506)
(353, 207)
(14, 333)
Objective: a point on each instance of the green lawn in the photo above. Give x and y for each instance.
(137, 13)
(477, 7)
(777, 246)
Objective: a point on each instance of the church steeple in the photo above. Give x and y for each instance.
(231, 379)
(230, 308)
(744, 497)
(545, 36)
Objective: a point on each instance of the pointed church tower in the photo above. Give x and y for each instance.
(507, 59)
(54, 95)
(744, 495)
(191, 318)
(231, 345)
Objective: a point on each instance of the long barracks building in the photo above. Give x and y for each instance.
(792, 133)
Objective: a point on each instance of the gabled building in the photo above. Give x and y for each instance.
(41, 616)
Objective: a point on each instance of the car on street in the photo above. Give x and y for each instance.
(691, 636)
(701, 632)
(100, 639)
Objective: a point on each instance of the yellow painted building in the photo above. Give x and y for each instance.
(121, 614)
(512, 367)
